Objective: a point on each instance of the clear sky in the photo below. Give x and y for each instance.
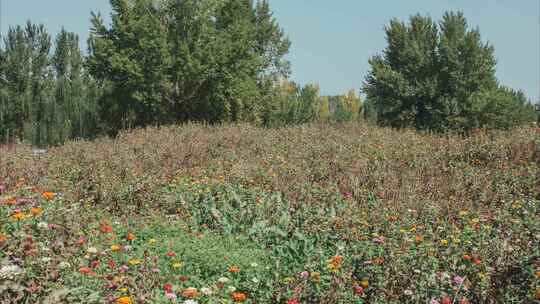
(333, 39)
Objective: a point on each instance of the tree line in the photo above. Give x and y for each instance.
(171, 61)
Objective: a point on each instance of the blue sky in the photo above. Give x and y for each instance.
(333, 40)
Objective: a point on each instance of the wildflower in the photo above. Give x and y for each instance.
(183, 278)
(477, 261)
(3, 238)
(206, 291)
(171, 254)
(444, 242)
(239, 297)
(115, 248)
(134, 262)
(255, 280)
(190, 302)
(190, 293)
(43, 225)
(48, 195)
(358, 290)
(537, 294)
(419, 239)
(124, 300)
(81, 241)
(456, 241)
(464, 301)
(316, 276)
(446, 300)
(364, 283)
(537, 274)
(106, 228)
(467, 257)
(458, 280)
(408, 292)
(335, 263)
(64, 265)
(171, 296)
(36, 211)
(223, 280)
(463, 213)
(131, 237)
(379, 240)
(112, 264)
(123, 289)
(293, 301)
(434, 301)
(86, 271)
(155, 270)
(94, 264)
(168, 287)
(18, 216)
(234, 269)
(304, 275)
(254, 265)
(92, 250)
(475, 221)
(10, 272)
(124, 268)
(176, 265)
(152, 241)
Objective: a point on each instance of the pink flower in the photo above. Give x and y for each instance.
(304, 275)
(458, 280)
(358, 290)
(124, 268)
(171, 296)
(379, 240)
(434, 301)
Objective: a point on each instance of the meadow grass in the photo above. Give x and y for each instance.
(310, 214)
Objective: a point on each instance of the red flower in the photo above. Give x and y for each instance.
(477, 261)
(112, 264)
(81, 241)
(446, 300)
(358, 290)
(293, 301)
(86, 271)
(94, 264)
(171, 254)
(168, 288)
(183, 278)
(106, 229)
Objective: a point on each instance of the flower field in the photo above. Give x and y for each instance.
(239, 214)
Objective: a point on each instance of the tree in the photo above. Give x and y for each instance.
(431, 76)
(172, 60)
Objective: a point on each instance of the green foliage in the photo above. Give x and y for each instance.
(188, 60)
(430, 76)
(293, 104)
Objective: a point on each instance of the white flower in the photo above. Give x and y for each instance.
(46, 259)
(223, 280)
(128, 248)
(231, 289)
(408, 292)
(254, 264)
(92, 250)
(206, 291)
(255, 280)
(9, 272)
(64, 265)
(43, 226)
(190, 302)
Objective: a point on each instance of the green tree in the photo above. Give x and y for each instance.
(430, 76)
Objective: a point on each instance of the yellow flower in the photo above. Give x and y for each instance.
(364, 283)
(115, 248)
(176, 265)
(456, 241)
(134, 262)
(516, 205)
(444, 242)
(124, 300)
(123, 289)
(463, 213)
(475, 221)
(152, 241)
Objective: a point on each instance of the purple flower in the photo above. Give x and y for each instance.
(458, 280)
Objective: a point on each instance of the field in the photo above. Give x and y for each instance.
(310, 214)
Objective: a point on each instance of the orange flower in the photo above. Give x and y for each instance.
(18, 216)
(335, 262)
(419, 239)
(130, 236)
(36, 211)
(537, 274)
(3, 238)
(234, 269)
(124, 300)
(467, 257)
(86, 271)
(378, 261)
(477, 261)
(48, 195)
(11, 202)
(393, 218)
(537, 295)
(190, 293)
(239, 297)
